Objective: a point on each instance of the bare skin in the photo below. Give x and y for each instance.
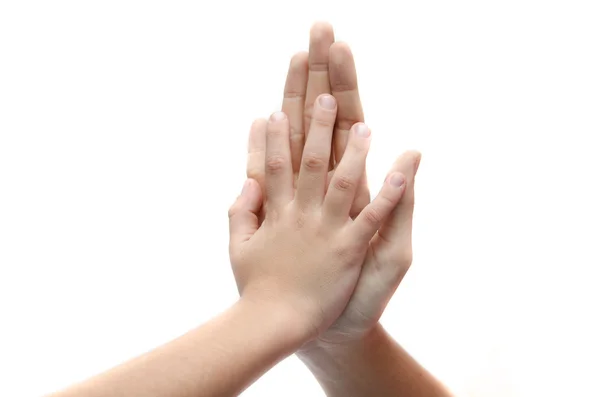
(309, 222)
(315, 263)
(390, 252)
(338, 357)
(295, 271)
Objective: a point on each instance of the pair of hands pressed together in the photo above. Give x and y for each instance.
(309, 254)
(314, 260)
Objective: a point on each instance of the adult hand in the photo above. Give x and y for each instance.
(327, 68)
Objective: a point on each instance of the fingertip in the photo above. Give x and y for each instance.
(252, 192)
(321, 30)
(297, 77)
(415, 154)
(321, 38)
(299, 61)
(251, 184)
(340, 52)
(256, 137)
(244, 213)
(361, 130)
(358, 139)
(342, 69)
(414, 161)
(327, 101)
(277, 116)
(417, 161)
(257, 124)
(408, 163)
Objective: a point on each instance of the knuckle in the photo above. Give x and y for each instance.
(274, 130)
(274, 163)
(387, 200)
(323, 122)
(318, 66)
(296, 133)
(272, 213)
(314, 162)
(342, 252)
(339, 84)
(358, 149)
(344, 184)
(293, 94)
(297, 139)
(348, 252)
(300, 221)
(373, 216)
(301, 217)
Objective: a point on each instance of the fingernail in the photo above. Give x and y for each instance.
(396, 179)
(277, 116)
(327, 101)
(362, 130)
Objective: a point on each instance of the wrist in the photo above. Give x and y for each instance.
(372, 365)
(318, 351)
(346, 368)
(283, 327)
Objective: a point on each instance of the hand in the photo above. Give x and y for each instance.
(307, 254)
(388, 259)
(328, 68)
(390, 251)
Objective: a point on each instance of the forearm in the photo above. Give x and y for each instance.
(373, 366)
(220, 358)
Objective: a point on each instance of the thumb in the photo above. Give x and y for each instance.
(398, 227)
(243, 214)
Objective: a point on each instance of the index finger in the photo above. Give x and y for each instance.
(257, 146)
(344, 87)
(293, 104)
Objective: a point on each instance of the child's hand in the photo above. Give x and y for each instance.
(328, 68)
(306, 256)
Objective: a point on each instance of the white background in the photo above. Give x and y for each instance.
(122, 143)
